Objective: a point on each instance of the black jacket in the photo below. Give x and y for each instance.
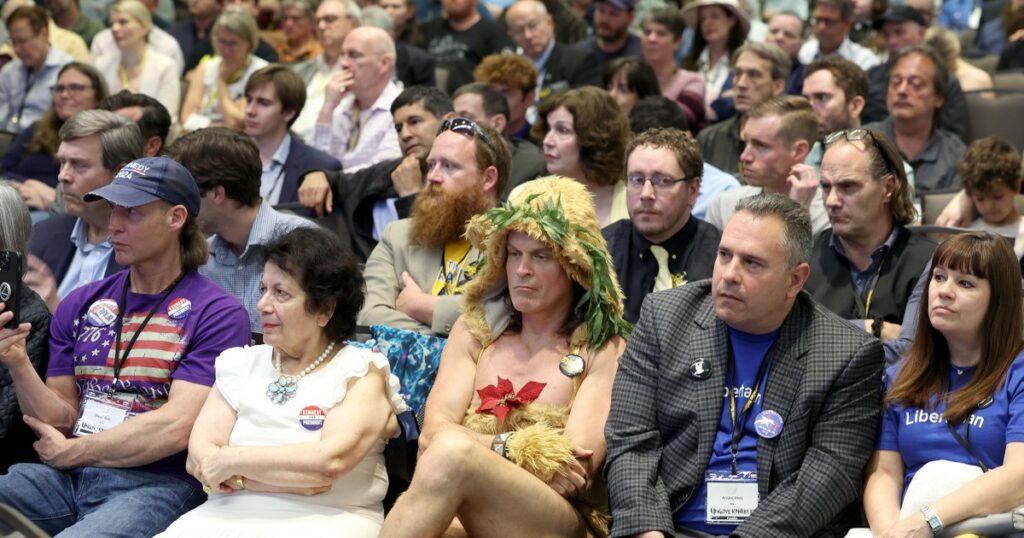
(830, 284)
(354, 196)
(569, 67)
(16, 438)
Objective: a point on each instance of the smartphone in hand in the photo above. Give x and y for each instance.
(11, 269)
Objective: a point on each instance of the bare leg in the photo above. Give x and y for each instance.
(490, 496)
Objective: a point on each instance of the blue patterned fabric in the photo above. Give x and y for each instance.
(414, 358)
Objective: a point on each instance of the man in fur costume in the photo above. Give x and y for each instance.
(513, 438)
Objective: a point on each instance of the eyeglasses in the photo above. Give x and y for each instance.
(73, 88)
(532, 26)
(853, 135)
(827, 22)
(467, 128)
(660, 183)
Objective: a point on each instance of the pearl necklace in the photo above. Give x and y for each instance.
(283, 388)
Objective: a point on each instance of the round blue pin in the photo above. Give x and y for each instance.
(768, 424)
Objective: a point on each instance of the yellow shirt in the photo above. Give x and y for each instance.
(454, 268)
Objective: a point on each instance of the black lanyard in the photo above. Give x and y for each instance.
(965, 441)
(737, 431)
(122, 307)
(24, 96)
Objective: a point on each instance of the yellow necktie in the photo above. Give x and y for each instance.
(357, 125)
(664, 279)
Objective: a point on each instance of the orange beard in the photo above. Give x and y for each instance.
(439, 216)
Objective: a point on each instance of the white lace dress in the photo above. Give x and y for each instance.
(352, 507)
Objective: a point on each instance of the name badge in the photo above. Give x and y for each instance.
(731, 497)
(101, 411)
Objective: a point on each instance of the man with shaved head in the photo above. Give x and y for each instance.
(560, 67)
(355, 124)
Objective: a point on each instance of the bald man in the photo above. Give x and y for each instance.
(560, 67)
(355, 124)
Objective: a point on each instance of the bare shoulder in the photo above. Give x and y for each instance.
(609, 353)
(462, 341)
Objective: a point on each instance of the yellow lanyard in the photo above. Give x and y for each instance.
(123, 73)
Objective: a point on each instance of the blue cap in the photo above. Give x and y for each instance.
(150, 179)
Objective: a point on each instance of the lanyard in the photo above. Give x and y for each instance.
(864, 305)
(965, 441)
(122, 72)
(122, 307)
(737, 428)
(24, 96)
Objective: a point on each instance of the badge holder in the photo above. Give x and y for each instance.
(101, 411)
(731, 497)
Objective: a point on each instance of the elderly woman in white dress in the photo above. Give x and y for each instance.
(290, 441)
(137, 66)
(216, 90)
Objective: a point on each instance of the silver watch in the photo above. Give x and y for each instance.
(932, 519)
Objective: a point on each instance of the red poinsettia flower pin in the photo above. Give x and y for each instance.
(499, 399)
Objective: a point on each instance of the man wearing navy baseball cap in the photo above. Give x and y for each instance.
(131, 362)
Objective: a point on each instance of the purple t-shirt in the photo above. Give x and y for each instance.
(189, 329)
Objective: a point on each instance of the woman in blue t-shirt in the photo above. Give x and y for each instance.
(958, 395)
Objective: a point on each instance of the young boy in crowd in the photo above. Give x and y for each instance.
(991, 175)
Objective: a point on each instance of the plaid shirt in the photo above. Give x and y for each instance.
(240, 275)
(377, 139)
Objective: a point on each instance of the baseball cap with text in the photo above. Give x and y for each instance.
(148, 180)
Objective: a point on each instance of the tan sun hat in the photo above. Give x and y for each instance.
(732, 6)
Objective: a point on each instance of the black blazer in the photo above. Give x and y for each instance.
(354, 196)
(825, 381)
(413, 65)
(303, 158)
(51, 242)
(830, 283)
(569, 67)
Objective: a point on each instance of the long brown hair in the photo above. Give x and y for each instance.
(921, 381)
(46, 138)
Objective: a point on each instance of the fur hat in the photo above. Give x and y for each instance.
(559, 212)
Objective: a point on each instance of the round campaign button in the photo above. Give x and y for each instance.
(986, 402)
(768, 424)
(572, 365)
(700, 369)
(312, 417)
(102, 313)
(179, 308)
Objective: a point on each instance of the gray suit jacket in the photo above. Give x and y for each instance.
(383, 273)
(825, 381)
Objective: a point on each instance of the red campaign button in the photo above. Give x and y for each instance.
(312, 417)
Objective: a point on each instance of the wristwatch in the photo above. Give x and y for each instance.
(500, 444)
(876, 327)
(934, 523)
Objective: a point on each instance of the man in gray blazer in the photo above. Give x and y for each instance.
(414, 275)
(748, 348)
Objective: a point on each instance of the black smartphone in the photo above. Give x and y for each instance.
(11, 267)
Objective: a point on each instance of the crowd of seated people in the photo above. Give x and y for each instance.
(530, 267)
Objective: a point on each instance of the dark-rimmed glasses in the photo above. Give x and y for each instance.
(465, 127)
(854, 135)
(660, 183)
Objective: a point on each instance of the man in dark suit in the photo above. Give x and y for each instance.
(67, 251)
(661, 245)
(561, 67)
(274, 97)
(742, 407)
